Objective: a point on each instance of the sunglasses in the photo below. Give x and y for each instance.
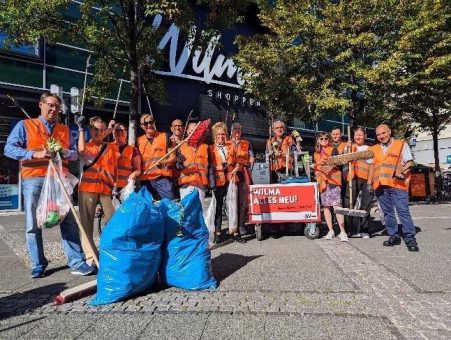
(324, 138)
(150, 122)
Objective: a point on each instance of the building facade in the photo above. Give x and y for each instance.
(423, 148)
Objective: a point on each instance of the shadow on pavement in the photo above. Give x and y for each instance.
(26, 302)
(226, 264)
(55, 270)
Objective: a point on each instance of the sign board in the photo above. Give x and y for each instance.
(279, 203)
(448, 159)
(9, 196)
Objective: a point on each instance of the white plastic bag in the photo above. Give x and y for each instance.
(232, 207)
(127, 190)
(210, 219)
(53, 206)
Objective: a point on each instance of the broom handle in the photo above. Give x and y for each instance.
(175, 148)
(74, 212)
(351, 206)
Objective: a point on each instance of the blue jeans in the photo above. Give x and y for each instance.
(389, 199)
(31, 190)
(161, 186)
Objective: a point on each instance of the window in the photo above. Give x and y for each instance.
(30, 50)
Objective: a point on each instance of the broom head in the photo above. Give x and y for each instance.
(199, 134)
(350, 157)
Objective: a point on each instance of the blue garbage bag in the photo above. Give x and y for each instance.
(300, 179)
(130, 249)
(186, 259)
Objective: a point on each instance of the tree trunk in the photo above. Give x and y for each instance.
(132, 127)
(436, 154)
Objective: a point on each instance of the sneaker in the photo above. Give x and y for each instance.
(364, 235)
(330, 235)
(343, 237)
(392, 241)
(38, 272)
(358, 235)
(84, 269)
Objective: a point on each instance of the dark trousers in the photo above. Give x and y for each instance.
(220, 193)
(358, 224)
(242, 203)
(389, 199)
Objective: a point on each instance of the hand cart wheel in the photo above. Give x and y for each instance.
(259, 232)
(311, 230)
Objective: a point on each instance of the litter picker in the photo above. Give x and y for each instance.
(351, 211)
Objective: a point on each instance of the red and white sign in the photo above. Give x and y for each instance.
(279, 203)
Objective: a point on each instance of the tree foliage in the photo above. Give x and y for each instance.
(119, 32)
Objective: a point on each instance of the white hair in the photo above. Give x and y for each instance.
(278, 122)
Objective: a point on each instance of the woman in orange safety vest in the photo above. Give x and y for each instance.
(329, 183)
(99, 161)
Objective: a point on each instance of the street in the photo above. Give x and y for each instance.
(287, 287)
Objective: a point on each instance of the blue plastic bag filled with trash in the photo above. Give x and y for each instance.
(186, 259)
(130, 249)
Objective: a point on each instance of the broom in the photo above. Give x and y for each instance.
(349, 157)
(194, 139)
(350, 211)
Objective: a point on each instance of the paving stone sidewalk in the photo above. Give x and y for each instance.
(281, 288)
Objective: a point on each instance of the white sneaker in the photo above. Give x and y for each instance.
(358, 235)
(330, 235)
(364, 235)
(343, 237)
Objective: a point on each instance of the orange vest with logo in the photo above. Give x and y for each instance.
(151, 153)
(279, 162)
(333, 177)
(36, 141)
(385, 166)
(220, 170)
(361, 168)
(196, 165)
(124, 164)
(100, 177)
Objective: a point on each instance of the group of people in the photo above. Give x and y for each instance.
(166, 173)
(386, 175)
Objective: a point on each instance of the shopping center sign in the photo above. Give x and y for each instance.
(208, 66)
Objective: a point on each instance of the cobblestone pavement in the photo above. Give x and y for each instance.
(281, 288)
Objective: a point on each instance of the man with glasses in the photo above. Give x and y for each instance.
(153, 145)
(177, 129)
(26, 144)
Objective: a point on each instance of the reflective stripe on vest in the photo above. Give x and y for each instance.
(279, 162)
(124, 166)
(100, 177)
(361, 168)
(334, 177)
(215, 157)
(37, 137)
(385, 166)
(196, 165)
(151, 153)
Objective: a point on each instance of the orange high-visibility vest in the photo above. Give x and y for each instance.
(237, 154)
(124, 164)
(151, 153)
(279, 162)
(361, 168)
(36, 141)
(334, 177)
(196, 165)
(340, 147)
(220, 170)
(100, 177)
(385, 166)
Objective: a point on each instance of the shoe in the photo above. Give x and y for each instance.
(392, 241)
(38, 272)
(358, 235)
(84, 269)
(412, 246)
(364, 235)
(343, 237)
(217, 239)
(238, 239)
(330, 235)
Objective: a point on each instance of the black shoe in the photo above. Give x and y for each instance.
(392, 241)
(412, 246)
(217, 239)
(238, 239)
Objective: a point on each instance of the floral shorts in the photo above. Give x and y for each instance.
(331, 196)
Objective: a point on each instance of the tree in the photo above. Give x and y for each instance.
(418, 72)
(120, 33)
(317, 57)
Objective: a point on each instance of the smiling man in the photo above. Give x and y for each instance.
(26, 144)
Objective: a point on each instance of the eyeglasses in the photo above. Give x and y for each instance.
(53, 106)
(149, 122)
(324, 138)
(278, 127)
(177, 126)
